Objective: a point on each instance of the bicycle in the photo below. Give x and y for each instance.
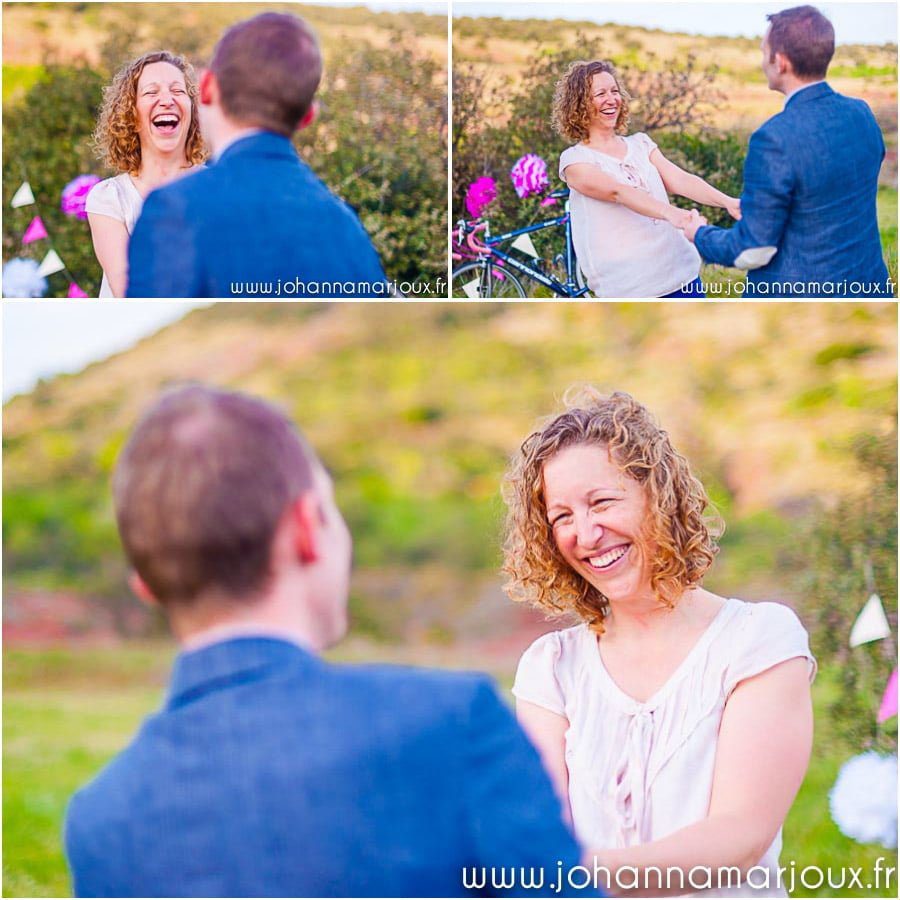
(491, 272)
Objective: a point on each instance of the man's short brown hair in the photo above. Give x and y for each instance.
(268, 69)
(805, 37)
(200, 488)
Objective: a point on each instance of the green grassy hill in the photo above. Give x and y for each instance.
(416, 408)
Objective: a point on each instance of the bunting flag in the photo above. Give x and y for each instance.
(871, 624)
(51, 263)
(75, 292)
(472, 289)
(35, 231)
(889, 701)
(524, 243)
(23, 196)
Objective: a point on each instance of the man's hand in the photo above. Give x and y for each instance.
(692, 224)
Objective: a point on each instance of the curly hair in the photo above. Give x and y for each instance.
(685, 542)
(573, 106)
(116, 137)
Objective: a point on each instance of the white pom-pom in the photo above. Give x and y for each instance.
(864, 799)
(21, 279)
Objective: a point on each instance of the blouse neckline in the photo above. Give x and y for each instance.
(633, 705)
(609, 155)
(130, 181)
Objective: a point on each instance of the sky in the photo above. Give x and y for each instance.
(854, 23)
(48, 337)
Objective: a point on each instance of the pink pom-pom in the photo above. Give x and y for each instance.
(529, 175)
(480, 193)
(74, 195)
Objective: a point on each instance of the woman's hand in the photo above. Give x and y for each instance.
(681, 218)
(734, 208)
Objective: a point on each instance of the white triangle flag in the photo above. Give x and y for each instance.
(871, 624)
(23, 196)
(472, 289)
(524, 243)
(51, 263)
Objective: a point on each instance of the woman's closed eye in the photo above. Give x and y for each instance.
(560, 519)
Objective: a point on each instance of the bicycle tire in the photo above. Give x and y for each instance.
(489, 286)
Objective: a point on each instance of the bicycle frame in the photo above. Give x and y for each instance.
(569, 288)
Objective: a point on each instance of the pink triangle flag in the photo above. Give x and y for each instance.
(889, 700)
(35, 231)
(75, 292)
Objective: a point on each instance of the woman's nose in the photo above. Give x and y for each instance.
(588, 531)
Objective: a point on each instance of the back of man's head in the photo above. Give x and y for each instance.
(200, 489)
(268, 69)
(805, 37)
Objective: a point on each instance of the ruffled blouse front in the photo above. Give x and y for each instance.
(639, 771)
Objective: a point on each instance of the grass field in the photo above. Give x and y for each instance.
(67, 711)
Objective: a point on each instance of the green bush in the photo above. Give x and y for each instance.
(46, 140)
(847, 553)
(381, 144)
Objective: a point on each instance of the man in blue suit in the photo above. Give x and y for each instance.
(256, 222)
(809, 225)
(268, 771)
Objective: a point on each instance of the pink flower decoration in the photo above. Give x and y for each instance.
(75, 291)
(548, 201)
(480, 193)
(529, 175)
(889, 701)
(74, 195)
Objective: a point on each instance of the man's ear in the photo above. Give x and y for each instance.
(208, 88)
(140, 589)
(306, 520)
(783, 63)
(309, 116)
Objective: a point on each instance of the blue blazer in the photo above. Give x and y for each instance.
(810, 180)
(255, 223)
(272, 773)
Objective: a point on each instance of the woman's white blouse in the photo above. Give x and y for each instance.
(621, 252)
(640, 771)
(119, 199)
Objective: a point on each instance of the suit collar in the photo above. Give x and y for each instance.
(260, 143)
(238, 660)
(806, 94)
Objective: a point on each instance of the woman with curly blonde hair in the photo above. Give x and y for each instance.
(676, 724)
(626, 232)
(148, 131)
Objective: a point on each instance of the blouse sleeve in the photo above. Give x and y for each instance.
(571, 155)
(646, 142)
(537, 680)
(103, 199)
(770, 634)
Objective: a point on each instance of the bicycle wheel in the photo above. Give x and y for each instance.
(485, 280)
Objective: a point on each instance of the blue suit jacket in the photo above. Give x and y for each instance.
(810, 180)
(272, 773)
(256, 223)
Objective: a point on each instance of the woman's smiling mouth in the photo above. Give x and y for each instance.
(609, 558)
(166, 123)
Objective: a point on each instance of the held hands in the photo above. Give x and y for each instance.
(734, 208)
(687, 220)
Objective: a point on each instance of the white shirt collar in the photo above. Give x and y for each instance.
(802, 87)
(233, 140)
